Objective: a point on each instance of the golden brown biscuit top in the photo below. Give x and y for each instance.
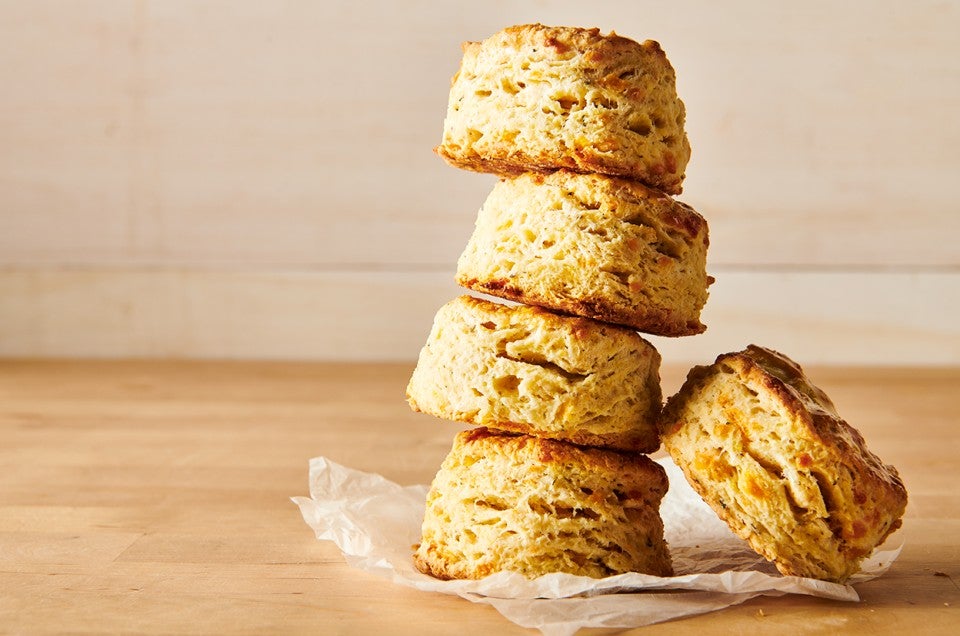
(810, 406)
(564, 43)
(629, 466)
(790, 377)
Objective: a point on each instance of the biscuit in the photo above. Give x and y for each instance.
(768, 451)
(536, 506)
(594, 246)
(527, 370)
(533, 97)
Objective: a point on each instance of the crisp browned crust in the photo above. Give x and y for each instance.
(644, 441)
(584, 159)
(536, 506)
(660, 322)
(535, 97)
(648, 476)
(591, 245)
(768, 451)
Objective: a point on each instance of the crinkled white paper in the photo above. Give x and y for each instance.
(375, 523)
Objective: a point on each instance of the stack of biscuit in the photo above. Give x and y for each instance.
(584, 238)
(582, 235)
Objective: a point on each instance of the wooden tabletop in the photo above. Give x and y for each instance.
(149, 496)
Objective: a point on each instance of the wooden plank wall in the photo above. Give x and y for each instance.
(255, 179)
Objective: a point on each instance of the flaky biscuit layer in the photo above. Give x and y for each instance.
(537, 506)
(527, 370)
(768, 451)
(594, 246)
(533, 97)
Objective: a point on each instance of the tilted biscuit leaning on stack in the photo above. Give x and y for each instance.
(586, 132)
(771, 455)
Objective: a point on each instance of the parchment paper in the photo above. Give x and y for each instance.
(375, 523)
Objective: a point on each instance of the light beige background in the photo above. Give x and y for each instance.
(255, 179)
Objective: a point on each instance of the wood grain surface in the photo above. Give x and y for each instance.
(153, 497)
